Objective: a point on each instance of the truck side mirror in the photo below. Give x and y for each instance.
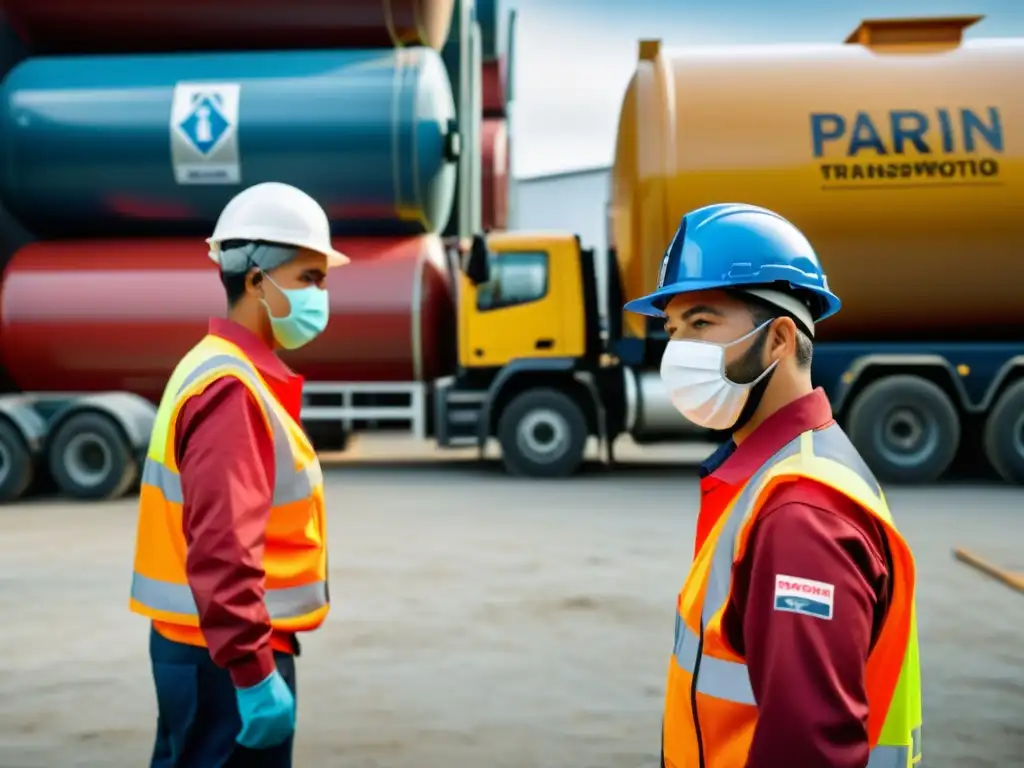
(478, 266)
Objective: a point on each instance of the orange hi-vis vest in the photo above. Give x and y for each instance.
(710, 709)
(295, 553)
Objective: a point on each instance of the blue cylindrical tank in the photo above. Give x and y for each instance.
(157, 144)
(492, 28)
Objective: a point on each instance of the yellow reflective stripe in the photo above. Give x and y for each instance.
(290, 484)
(832, 443)
(722, 679)
(902, 756)
(285, 603)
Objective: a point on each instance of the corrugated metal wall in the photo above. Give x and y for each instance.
(576, 201)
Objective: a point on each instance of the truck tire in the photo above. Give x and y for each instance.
(91, 459)
(1004, 435)
(17, 469)
(906, 428)
(543, 433)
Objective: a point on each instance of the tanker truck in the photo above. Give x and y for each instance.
(898, 152)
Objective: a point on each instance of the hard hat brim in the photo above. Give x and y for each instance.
(649, 304)
(335, 258)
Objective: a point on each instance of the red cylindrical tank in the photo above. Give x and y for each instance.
(494, 195)
(141, 26)
(118, 315)
(493, 84)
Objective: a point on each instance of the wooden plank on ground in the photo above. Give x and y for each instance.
(1012, 580)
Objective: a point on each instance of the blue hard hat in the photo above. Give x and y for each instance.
(734, 245)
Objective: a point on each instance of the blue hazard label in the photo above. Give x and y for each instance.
(205, 125)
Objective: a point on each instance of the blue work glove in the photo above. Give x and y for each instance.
(268, 713)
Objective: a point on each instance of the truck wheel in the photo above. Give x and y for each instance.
(1004, 435)
(543, 433)
(17, 469)
(91, 459)
(906, 428)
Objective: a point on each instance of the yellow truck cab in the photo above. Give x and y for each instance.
(530, 353)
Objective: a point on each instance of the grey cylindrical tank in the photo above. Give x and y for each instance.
(157, 144)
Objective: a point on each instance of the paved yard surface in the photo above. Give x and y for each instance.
(480, 620)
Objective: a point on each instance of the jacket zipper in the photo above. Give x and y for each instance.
(693, 696)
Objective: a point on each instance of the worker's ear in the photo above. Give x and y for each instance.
(782, 339)
(254, 281)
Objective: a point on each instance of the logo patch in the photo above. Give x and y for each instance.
(811, 598)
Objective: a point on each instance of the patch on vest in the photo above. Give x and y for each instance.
(811, 598)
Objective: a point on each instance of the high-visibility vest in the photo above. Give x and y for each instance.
(707, 675)
(295, 553)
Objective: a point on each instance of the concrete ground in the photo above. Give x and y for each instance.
(480, 620)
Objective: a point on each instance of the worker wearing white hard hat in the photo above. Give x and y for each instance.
(231, 557)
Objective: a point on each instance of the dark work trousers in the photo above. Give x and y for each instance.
(197, 713)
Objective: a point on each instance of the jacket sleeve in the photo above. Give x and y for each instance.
(225, 455)
(808, 673)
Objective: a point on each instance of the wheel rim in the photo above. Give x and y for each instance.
(1018, 435)
(907, 436)
(543, 435)
(6, 463)
(87, 460)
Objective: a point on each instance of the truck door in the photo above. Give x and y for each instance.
(518, 312)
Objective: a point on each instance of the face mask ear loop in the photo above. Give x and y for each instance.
(742, 338)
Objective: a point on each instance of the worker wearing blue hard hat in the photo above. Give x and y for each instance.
(796, 636)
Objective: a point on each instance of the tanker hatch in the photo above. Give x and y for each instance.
(649, 50)
(911, 35)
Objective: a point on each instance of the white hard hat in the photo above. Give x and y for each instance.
(276, 213)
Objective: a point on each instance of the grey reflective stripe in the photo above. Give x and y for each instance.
(897, 757)
(290, 484)
(722, 679)
(720, 576)
(829, 443)
(157, 475)
(889, 757)
(287, 603)
(717, 677)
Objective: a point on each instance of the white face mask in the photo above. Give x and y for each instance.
(694, 374)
